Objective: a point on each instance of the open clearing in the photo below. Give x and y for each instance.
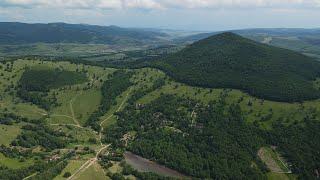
(144, 165)
(14, 163)
(273, 160)
(8, 133)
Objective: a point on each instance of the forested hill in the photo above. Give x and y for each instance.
(308, 35)
(228, 60)
(17, 33)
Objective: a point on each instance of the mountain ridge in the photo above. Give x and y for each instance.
(24, 33)
(228, 60)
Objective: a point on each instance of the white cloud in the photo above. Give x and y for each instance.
(239, 3)
(162, 4)
(145, 4)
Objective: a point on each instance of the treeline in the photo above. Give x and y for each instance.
(217, 144)
(35, 84)
(43, 170)
(117, 84)
(40, 135)
(10, 118)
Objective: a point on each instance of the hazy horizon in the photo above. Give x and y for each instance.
(191, 15)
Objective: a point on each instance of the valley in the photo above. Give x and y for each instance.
(181, 114)
(77, 102)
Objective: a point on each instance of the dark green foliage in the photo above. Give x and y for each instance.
(230, 61)
(35, 84)
(119, 82)
(40, 135)
(300, 145)
(18, 174)
(10, 118)
(218, 144)
(15, 152)
(51, 172)
(44, 170)
(45, 79)
(19, 33)
(67, 174)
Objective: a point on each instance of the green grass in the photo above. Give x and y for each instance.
(59, 119)
(115, 168)
(113, 109)
(289, 112)
(276, 156)
(14, 163)
(94, 172)
(8, 133)
(55, 49)
(272, 159)
(85, 104)
(72, 166)
(82, 135)
(280, 176)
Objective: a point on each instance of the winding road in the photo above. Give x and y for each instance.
(91, 161)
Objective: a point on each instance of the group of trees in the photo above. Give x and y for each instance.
(110, 89)
(35, 135)
(35, 84)
(44, 170)
(10, 118)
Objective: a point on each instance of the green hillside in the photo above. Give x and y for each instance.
(230, 61)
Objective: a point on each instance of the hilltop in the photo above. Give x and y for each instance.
(228, 60)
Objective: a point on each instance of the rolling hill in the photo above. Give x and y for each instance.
(22, 33)
(305, 41)
(228, 60)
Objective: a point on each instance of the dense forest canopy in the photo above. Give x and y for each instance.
(117, 84)
(204, 144)
(230, 61)
(212, 141)
(46, 79)
(35, 84)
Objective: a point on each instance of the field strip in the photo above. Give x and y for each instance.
(88, 163)
(30, 176)
(74, 125)
(119, 108)
(61, 115)
(289, 171)
(41, 112)
(71, 109)
(91, 161)
(78, 170)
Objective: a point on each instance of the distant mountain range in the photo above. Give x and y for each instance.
(22, 33)
(306, 41)
(280, 32)
(24, 39)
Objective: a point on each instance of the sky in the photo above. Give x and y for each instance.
(195, 15)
